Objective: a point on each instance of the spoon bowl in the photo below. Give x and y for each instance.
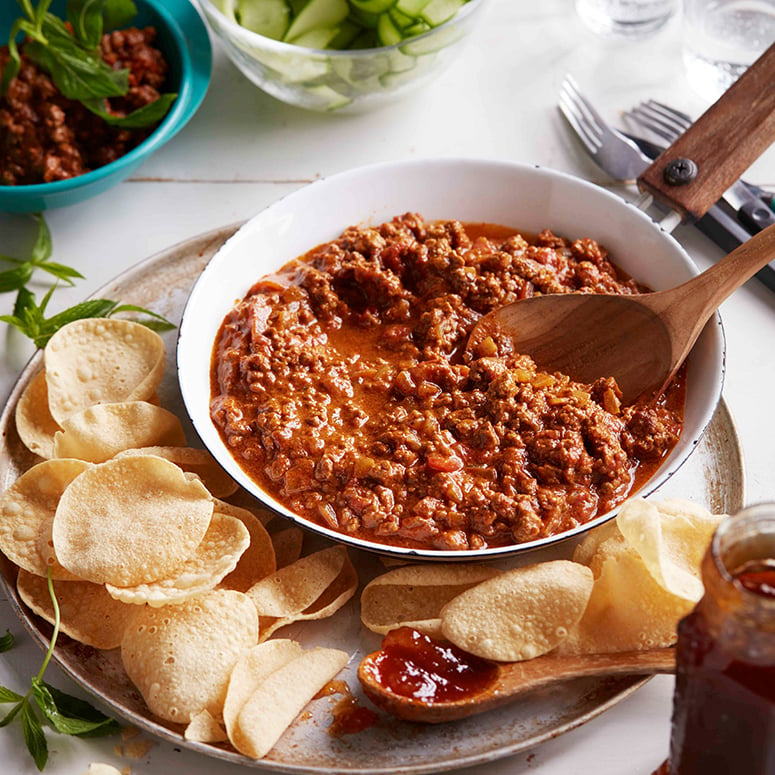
(512, 680)
(641, 340)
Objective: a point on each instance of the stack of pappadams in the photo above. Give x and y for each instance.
(147, 556)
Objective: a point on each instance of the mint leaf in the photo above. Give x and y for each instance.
(13, 64)
(43, 247)
(78, 73)
(148, 115)
(83, 720)
(33, 735)
(156, 323)
(15, 279)
(29, 316)
(119, 13)
(6, 644)
(60, 271)
(85, 17)
(11, 715)
(6, 695)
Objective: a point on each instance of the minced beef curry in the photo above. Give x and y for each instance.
(45, 137)
(341, 386)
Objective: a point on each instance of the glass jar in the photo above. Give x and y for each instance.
(724, 703)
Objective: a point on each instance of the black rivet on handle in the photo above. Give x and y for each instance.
(679, 172)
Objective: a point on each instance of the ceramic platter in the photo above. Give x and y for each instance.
(713, 476)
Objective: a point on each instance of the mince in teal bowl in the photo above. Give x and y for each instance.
(184, 40)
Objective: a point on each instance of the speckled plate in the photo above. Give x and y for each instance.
(712, 476)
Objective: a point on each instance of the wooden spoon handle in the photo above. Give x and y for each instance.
(544, 671)
(689, 306)
(723, 142)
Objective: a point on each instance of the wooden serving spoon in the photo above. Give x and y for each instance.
(640, 340)
(513, 679)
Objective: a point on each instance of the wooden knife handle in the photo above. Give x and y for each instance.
(722, 143)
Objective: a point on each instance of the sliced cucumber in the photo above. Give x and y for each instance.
(387, 32)
(319, 37)
(364, 19)
(439, 11)
(226, 7)
(360, 74)
(411, 7)
(400, 19)
(348, 31)
(318, 13)
(366, 38)
(418, 47)
(329, 98)
(400, 62)
(373, 6)
(270, 18)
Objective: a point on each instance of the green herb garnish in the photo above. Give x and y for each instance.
(6, 642)
(29, 315)
(73, 60)
(66, 714)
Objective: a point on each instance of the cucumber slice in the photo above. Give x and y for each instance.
(387, 32)
(270, 18)
(364, 18)
(328, 98)
(400, 19)
(361, 74)
(432, 43)
(226, 7)
(418, 28)
(319, 37)
(373, 6)
(348, 31)
(365, 39)
(401, 62)
(411, 7)
(318, 13)
(439, 11)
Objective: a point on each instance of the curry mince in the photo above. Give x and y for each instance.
(45, 137)
(341, 386)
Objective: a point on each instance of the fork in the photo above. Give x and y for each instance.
(665, 122)
(619, 156)
(622, 159)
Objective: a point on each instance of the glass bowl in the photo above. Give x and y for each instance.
(183, 38)
(341, 80)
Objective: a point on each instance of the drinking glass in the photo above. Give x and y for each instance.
(721, 38)
(625, 18)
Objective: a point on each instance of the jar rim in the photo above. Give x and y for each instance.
(752, 528)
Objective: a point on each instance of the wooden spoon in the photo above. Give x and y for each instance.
(640, 340)
(513, 679)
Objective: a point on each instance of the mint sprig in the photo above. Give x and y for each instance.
(71, 56)
(29, 315)
(68, 715)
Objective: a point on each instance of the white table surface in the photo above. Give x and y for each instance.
(243, 150)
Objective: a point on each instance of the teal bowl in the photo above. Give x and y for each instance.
(184, 39)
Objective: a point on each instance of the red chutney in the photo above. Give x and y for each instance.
(411, 664)
(724, 705)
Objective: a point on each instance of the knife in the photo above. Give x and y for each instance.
(729, 226)
(751, 211)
